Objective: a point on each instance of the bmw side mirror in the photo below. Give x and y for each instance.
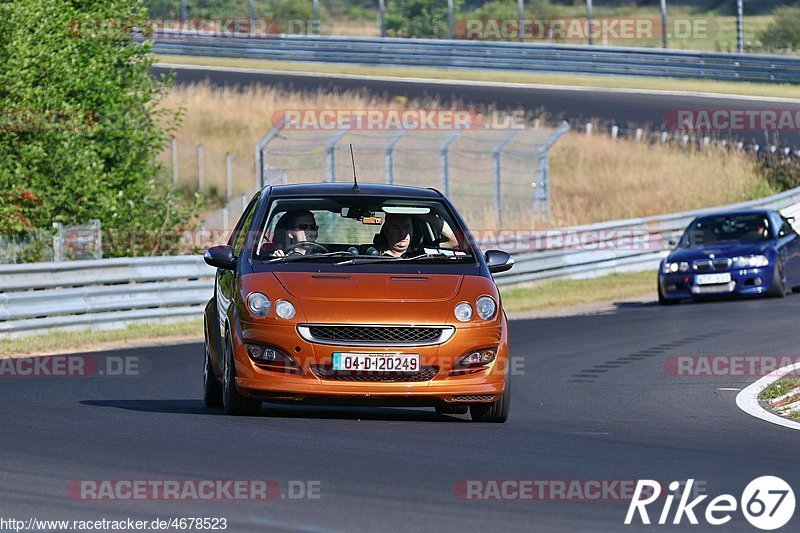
(220, 257)
(498, 261)
(672, 242)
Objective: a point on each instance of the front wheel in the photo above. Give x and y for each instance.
(234, 403)
(495, 412)
(778, 287)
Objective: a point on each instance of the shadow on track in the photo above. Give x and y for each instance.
(196, 407)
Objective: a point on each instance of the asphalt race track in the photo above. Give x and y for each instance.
(592, 401)
(628, 110)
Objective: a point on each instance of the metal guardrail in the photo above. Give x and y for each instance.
(110, 293)
(534, 57)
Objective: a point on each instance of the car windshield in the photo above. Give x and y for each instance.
(355, 230)
(726, 229)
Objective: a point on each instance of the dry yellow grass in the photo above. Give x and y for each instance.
(594, 178)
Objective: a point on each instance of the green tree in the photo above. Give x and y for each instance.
(79, 121)
(784, 31)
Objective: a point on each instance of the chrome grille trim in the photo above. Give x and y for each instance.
(305, 331)
(712, 265)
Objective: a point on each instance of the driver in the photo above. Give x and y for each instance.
(295, 226)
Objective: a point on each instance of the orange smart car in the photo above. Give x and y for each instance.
(375, 294)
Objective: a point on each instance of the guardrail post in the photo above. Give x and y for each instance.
(58, 242)
(444, 158)
(200, 168)
(496, 174)
(614, 132)
(174, 162)
(389, 157)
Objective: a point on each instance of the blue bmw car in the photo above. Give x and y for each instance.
(744, 253)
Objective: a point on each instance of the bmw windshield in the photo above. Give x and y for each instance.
(724, 229)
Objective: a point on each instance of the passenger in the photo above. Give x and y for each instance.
(395, 236)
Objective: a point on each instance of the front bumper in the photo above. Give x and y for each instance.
(743, 282)
(257, 381)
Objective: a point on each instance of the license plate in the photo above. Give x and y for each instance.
(376, 362)
(712, 279)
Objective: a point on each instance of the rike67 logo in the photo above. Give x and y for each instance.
(767, 503)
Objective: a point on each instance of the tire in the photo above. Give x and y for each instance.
(234, 403)
(494, 412)
(212, 388)
(778, 287)
(456, 409)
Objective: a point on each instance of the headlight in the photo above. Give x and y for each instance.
(477, 358)
(284, 309)
(672, 267)
(463, 312)
(485, 307)
(752, 261)
(258, 303)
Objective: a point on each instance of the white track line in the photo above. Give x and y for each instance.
(747, 400)
(471, 83)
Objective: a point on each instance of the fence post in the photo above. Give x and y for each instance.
(330, 155)
(228, 178)
(174, 162)
(389, 157)
(58, 248)
(664, 23)
(98, 239)
(589, 17)
(444, 151)
(225, 217)
(315, 28)
(382, 17)
(541, 189)
(520, 17)
(740, 26)
(450, 16)
(497, 182)
(200, 167)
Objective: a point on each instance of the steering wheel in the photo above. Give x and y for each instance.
(309, 246)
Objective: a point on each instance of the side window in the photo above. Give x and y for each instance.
(786, 228)
(239, 237)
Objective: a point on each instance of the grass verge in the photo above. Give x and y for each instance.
(76, 341)
(779, 388)
(562, 293)
(606, 82)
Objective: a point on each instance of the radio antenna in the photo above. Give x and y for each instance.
(353, 159)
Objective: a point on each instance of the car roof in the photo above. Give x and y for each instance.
(763, 212)
(346, 189)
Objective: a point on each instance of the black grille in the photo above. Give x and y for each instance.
(709, 265)
(379, 334)
(426, 373)
(473, 398)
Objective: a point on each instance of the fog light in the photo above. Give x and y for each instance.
(477, 358)
(269, 356)
(758, 282)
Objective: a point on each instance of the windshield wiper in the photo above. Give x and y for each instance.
(389, 259)
(300, 257)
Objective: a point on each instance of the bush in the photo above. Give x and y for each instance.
(81, 127)
(419, 18)
(784, 31)
(780, 172)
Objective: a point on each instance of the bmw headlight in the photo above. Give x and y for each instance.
(752, 261)
(258, 303)
(486, 307)
(671, 267)
(284, 309)
(463, 312)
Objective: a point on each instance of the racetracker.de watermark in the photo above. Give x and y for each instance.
(69, 366)
(722, 120)
(726, 366)
(394, 119)
(624, 29)
(116, 29)
(550, 489)
(40, 120)
(528, 240)
(193, 489)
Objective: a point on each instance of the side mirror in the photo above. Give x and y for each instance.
(498, 261)
(672, 242)
(220, 257)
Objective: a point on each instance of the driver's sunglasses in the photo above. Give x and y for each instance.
(307, 227)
